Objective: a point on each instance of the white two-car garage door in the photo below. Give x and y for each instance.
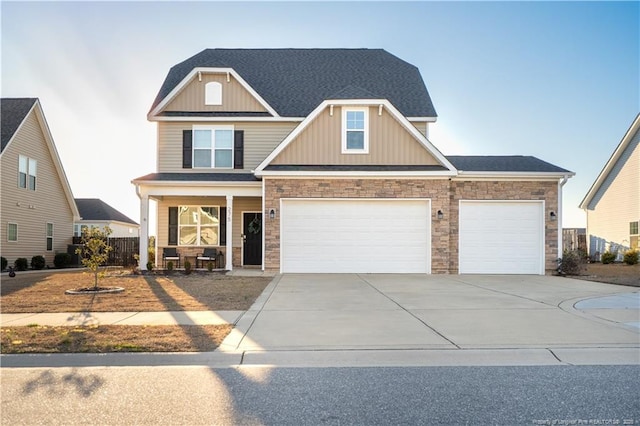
(355, 236)
(501, 237)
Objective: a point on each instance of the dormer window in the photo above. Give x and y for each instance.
(213, 93)
(355, 130)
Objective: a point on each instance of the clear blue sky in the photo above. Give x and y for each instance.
(556, 80)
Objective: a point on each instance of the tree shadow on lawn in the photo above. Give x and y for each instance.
(192, 330)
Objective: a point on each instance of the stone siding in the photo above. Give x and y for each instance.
(444, 194)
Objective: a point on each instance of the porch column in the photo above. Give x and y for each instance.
(144, 232)
(229, 257)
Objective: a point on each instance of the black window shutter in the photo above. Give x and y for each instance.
(223, 226)
(173, 226)
(238, 148)
(186, 149)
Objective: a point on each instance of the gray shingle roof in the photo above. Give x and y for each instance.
(96, 209)
(199, 177)
(295, 81)
(12, 113)
(503, 163)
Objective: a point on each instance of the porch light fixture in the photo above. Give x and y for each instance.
(552, 216)
(272, 214)
(439, 215)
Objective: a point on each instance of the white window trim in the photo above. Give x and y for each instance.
(365, 150)
(213, 93)
(31, 171)
(213, 148)
(197, 225)
(47, 236)
(8, 233)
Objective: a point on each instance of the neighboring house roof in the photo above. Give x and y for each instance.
(503, 163)
(295, 81)
(13, 111)
(94, 209)
(613, 161)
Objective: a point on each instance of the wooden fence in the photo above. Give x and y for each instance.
(123, 251)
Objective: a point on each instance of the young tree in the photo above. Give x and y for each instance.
(95, 249)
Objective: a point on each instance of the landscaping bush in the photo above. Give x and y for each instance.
(62, 260)
(38, 262)
(631, 257)
(150, 266)
(187, 267)
(573, 262)
(170, 266)
(608, 257)
(4, 263)
(21, 264)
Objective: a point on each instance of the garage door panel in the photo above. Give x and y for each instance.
(501, 238)
(366, 236)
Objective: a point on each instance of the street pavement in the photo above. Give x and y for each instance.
(387, 320)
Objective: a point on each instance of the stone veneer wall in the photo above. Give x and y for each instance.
(506, 190)
(435, 189)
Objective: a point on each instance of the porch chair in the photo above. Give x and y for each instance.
(208, 255)
(170, 254)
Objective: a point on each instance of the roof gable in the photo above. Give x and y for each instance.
(13, 112)
(436, 158)
(614, 164)
(15, 108)
(96, 209)
(295, 81)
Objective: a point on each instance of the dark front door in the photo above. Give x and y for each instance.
(252, 238)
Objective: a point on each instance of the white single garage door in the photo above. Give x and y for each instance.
(356, 236)
(501, 237)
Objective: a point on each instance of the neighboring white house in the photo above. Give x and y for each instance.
(612, 203)
(97, 213)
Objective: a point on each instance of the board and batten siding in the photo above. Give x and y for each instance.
(235, 98)
(321, 143)
(32, 210)
(260, 138)
(616, 203)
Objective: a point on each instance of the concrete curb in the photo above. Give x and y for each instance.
(336, 359)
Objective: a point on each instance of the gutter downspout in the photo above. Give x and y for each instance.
(561, 183)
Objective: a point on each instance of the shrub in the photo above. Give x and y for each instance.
(4, 263)
(150, 266)
(187, 267)
(170, 266)
(573, 262)
(608, 257)
(631, 257)
(38, 262)
(210, 266)
(62, 260)
(21, 264)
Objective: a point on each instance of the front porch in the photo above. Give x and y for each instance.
(225, 216)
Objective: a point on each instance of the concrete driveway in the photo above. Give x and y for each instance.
(332, 312)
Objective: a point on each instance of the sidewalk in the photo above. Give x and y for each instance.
(122, 318)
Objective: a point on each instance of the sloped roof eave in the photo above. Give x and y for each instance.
(615, 156)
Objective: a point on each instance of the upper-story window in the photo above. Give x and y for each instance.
(355, 131)
(27, 168)
(213, 147)
(213, 93)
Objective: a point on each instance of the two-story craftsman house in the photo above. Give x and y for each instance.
(318, 160)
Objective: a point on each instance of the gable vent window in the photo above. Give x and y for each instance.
(355, 131)
(213, 147)
(213, 93)
(27, 168)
